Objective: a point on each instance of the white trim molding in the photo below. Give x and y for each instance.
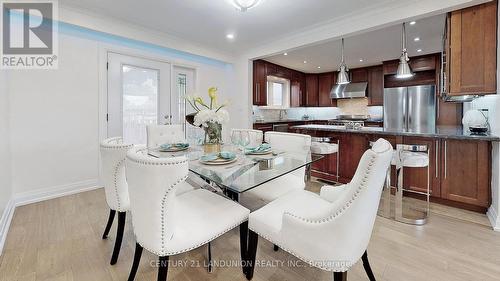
(494, 219)
(5, 221)
(39, 195)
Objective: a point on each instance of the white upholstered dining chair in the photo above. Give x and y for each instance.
(332, 230)
(161, 134)
(113, 154)
(256, 136)
(166, 223)
(297, 144)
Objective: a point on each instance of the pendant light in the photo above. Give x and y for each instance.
(404, 70)
(343, 76)
(244, 5)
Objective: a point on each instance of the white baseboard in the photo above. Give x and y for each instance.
(494, 218)
(39, 195)
(5, 221)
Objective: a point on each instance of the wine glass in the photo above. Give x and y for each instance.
(245, 140)
(236, 138)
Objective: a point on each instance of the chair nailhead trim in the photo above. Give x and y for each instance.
(163, 210)
(166, 253)
(116, 183)
(347, 205)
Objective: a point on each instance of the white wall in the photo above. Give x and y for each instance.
(55, 113)
(5, 172)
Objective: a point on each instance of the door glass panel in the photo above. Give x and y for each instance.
(181, 94)
(140, 102)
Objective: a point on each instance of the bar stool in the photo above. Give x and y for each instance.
(411, 156)
(323, 146)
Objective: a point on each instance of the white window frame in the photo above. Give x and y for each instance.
(270, 94)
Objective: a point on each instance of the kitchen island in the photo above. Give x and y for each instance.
(459, 166)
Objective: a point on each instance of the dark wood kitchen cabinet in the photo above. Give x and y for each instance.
(375, 86)
(416, 178)
(260, 82)
(298, 89)
(466, 171)
(359, 75)
(351, 148)
(471, 49)
(312, 96)
(325, 84)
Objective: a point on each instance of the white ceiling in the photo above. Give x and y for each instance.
(208, 21)
(373, 47)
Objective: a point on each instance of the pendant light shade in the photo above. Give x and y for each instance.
(404, 70)
(244, 5)
(343, 76)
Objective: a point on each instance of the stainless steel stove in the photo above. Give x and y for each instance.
(349, 120)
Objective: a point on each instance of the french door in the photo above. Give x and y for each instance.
(139, 94)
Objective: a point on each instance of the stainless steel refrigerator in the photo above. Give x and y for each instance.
(410, 109)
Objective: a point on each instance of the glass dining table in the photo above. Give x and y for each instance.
(247, 172)
(244, 174)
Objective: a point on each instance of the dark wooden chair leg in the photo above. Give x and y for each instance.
(110, 222)
(119, 237)
(244, 245)
(340, 276)
(209, 258)
(163, 269)
(366, 265)
(253, 240)
(276, 248)
(137, 260)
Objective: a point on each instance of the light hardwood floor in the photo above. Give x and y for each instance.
(60, 239)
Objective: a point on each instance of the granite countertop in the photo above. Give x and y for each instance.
(309, 120)
(286, 121)
(444, 132)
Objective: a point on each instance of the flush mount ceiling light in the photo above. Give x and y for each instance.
(244, 5)
(404, 70)
(343, 76)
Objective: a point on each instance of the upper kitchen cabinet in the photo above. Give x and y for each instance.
(359, 75)
(470, 50)
(417, 64)
(259, 83)
(298, 89)
(312, 96)
(375, 85)
(325, 84)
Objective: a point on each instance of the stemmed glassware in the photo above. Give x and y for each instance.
(245, 140)
(236, 139)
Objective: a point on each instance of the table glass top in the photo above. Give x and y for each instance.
(248, 171)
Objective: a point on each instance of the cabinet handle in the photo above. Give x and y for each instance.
(445, 159)
(437, 163)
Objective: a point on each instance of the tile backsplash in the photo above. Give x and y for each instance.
(347, 106)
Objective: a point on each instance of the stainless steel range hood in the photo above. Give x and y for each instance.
(348, 91)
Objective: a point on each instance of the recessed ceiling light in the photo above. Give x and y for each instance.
(285, 54)
(419, 50)
(416, 39)
(230, 36)
(413, 22)
(305, 61)
(360, 60)
(319, 67)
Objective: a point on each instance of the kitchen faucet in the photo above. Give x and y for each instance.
(282, 114)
